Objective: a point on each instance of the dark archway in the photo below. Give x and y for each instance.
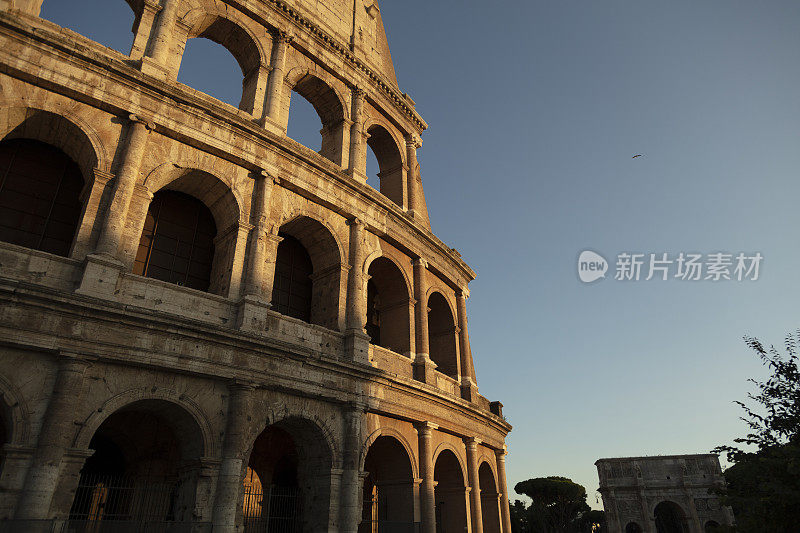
(40, 188)
(390, 164)
(308, 273)
(389, 307)
(291, 291)
(669, 518)
(177, 243)
(442, 335)
(143, 470)
(450, 494)
(490, 499)
(711, 526)
(287, 483)
(633, 527)
(388, 503)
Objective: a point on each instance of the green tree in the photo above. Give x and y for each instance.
(557, 506)
(763, 485)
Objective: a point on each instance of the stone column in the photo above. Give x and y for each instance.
(471, 444)
(31, 7)
(262, 193)
(351, 481)
(469, 387)
(280, 43)
(413, 173)
(113, 225)
(143, 28)
(229, 482)
(155, 61)
(356, 303)
(357, 160)
(423, 366)
(55, 435)
(427, 494)
(501, 482)
(356, 339)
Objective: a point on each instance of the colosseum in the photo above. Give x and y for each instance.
(207, 326)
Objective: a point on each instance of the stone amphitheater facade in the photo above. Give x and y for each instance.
(206, 325)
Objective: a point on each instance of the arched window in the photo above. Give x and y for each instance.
(391, 174)
(221, 83)
(442, 335)
(389, 307)
(40, 191)
(291, 292)
(110, 22)
(329, 111)
(177, 244)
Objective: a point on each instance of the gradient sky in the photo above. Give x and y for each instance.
(535, 110)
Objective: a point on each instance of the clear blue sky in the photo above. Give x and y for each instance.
(535, 110)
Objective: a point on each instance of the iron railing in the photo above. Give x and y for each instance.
(272, 509)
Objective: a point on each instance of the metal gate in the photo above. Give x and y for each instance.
(121, 504)
(271, 509)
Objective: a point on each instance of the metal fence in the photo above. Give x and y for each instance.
(272, 509)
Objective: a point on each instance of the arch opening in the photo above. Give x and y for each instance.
(308, 273)
(633, 527)
(40, 189)
(144, 469)
(388, 492)
(197, 246)
(330, 114)
(450, 493)
(112, 24)
(389, 307)
(287, 481)
(711, 526)
(490, 499)
(442, 335)
(391, 172)
(669, 518)
(177, 243)
(226, 44)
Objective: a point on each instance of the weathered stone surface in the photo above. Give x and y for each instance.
(204, 389)
(660, 493)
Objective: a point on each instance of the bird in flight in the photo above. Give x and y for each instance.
(637, 155)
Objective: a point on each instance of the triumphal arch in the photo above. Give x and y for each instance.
(207, 325)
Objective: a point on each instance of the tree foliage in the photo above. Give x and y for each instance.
(557, 506)
(763, 485)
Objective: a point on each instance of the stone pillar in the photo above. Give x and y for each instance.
(469, 387)
(413, 173)
(356, 339)
(143, 28)
(471, 444)
(280, 43)
(501, 483)
(256, 262)
(351, 480)
(154, 62)
(357, 159)
(427, 494)
(57, 431)
(113, 225)
(229, 482)
(423, 366)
